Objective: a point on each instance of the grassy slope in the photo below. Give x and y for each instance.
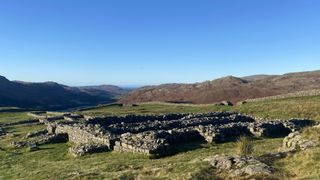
(53, 161)
(301, 107)
(306, 164)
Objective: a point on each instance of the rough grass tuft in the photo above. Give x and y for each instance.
(245, 146)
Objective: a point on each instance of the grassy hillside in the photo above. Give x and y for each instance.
(229, 88)
(299, 107)
(54, 162)
(50, 95)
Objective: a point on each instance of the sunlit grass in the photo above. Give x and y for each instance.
(53, 161)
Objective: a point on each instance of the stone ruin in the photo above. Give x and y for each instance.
(158, 135)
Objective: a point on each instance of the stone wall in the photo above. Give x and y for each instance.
(108, 120)
(158, 135)
(48, 117)
(81, 134)
(289, 95)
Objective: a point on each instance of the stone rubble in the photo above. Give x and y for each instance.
(37, 133)
(18, 144)
(82, 149)
(50, 139)
(295, 142)
(239, 166)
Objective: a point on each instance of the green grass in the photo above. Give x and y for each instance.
(306, 164)
(12, 117)
(300, 107)
(53, 161)
(155, 108)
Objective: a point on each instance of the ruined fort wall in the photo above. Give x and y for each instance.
(82, 136)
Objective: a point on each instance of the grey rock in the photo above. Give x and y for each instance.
(225, 103)
(32, 147)
(295, 142)
(237, 166)
(83, 149)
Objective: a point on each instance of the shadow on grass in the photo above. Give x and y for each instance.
(180, 148)
(13, 110)
(44, 148)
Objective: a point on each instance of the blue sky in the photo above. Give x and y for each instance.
(126, 42)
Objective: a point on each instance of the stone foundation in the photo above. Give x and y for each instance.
(158, 135)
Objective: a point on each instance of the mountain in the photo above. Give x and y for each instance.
(104, 90)
(51, 95)
(257, 77)
(229, 88)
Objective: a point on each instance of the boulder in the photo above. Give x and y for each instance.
(241, 103)
(317, 126)
(32, 147)
(225, 103)
(295, 142)
(239, 166)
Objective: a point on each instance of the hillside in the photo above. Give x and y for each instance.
(50, 95)
(228, 88)
(54, 162)
(102, 89)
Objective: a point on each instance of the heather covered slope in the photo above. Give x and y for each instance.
(228, 88)
(49, 95)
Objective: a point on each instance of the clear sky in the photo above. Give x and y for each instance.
(139, 42)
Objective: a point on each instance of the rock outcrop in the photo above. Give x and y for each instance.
(234, 167)
(295, 142)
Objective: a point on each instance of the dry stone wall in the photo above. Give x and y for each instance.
(158, 135)
(84, 134)
(289, 95)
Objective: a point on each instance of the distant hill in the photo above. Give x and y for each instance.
(229, 88)
(51, 95)
(257, 77)
(105, 90)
